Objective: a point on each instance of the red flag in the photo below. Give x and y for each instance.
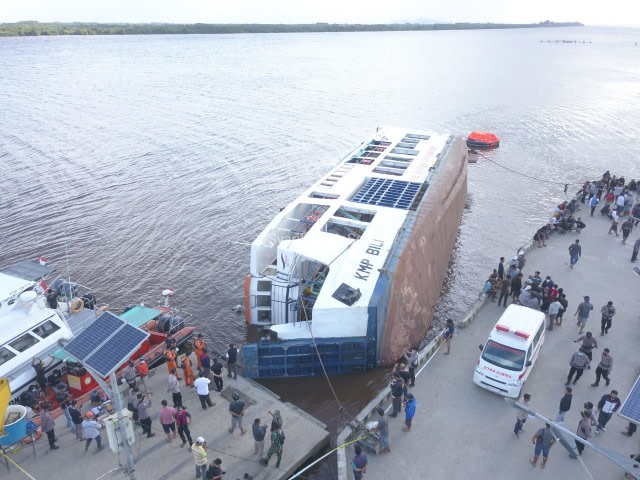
(43, 284)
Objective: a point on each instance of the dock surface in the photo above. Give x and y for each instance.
(462, 431)
(162, 460)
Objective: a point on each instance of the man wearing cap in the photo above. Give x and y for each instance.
(129, 374)
(183, 420)
(200, 457)
(91, 430)
(582, 312)
(575, 252)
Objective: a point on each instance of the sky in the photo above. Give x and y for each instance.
(589, 12)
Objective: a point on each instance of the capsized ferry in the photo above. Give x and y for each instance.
(352, 269)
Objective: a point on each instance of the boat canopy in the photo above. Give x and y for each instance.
(140, 315)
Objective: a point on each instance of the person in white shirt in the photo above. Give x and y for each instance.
(202, 389)
(91, 430)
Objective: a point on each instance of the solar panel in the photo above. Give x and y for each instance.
(387, 193)
(105, 344)
(631, 406)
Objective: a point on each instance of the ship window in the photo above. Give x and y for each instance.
(406, 145)
(328, 196)
(46, 329)
(405, 151)
(415, 141)
(347, 231)
(353, 214)
(418, 136)
(264, 300)
(264, 315)
(5, 355)
(24, 342)
(264, 286)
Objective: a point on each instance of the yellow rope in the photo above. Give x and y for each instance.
(18, 466)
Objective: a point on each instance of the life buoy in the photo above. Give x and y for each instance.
(77, 304)
(33, 438)
(102, 309)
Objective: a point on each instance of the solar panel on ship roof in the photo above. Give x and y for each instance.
(387, 193)
(631, 406)
(105, 344)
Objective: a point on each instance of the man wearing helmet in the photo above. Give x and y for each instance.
(199, 453)
(91, 430)
(236, 408)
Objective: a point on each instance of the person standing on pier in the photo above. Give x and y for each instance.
(582, 312)
(173, 387)
(588, 344)
(608, 311)
(205, 361)
(579, 361)
(215, 471)
(187, 371)
(575, 252)
(504, 292)
(129, 374)
(199, 345)
(409, 411)
(232, 361)
(383, 430)
(626, 227)
(202, 389)
(604, 368)
(277, 440)
(216, 370)
(167, 418)
(236, 409)
(543, 440)
(199, 453)
(516, 287)
(144, 418)
(593, 203)
(565, 405)
(447, 335)
(143, 372)
(183, 420)
(521, 416)
(259, 432)
(501, 269)
(48, 425)
(412, 360)
(614, 223)
(396, 385)
(607, 406)
(636, 249)
(554, 308)
(584, 430)
(359, 463)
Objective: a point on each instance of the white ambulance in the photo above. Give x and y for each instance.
(511, 351)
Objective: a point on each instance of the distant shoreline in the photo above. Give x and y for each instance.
(34, 29)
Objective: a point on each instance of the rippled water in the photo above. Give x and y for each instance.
(154, 161)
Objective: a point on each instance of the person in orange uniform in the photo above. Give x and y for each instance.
(170, 356)
(143, 373)
(199, 345)
(187, 370)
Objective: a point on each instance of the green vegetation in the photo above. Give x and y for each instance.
(21, 29)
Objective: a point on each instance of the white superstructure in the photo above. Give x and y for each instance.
(317, 262)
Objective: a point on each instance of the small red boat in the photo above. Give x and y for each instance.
(482, 140)
(166, 326)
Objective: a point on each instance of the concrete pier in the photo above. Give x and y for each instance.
(462, 431)
(158, 459)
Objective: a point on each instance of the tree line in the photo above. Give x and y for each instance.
(21, 29)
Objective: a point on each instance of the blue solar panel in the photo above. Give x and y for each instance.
(631, 406)
(387, 193)
(105, 344)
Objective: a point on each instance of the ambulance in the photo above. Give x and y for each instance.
(511, 351)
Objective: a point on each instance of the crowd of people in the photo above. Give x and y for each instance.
(547, 296)
(174, 416)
